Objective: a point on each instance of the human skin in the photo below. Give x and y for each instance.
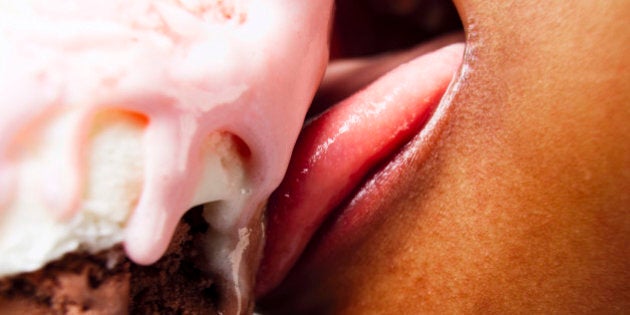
(520, 202)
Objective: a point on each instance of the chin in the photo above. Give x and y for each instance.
(508, 195)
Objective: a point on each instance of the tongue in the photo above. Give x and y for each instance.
(340, 147)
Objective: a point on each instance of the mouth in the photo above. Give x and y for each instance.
(383, 103)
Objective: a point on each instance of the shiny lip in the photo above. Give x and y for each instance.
(360, 211)
(341, 229)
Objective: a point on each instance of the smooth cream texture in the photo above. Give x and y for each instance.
(199, 74)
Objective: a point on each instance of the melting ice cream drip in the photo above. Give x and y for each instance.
(174, 131)
(175, 146)
(191, 69)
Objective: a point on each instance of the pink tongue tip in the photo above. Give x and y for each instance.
(339, 148)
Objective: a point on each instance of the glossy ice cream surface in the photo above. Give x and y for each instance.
(119, 116)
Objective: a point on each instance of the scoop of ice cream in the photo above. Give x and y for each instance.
(118, 116)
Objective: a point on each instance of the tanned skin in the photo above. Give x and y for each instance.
(522, 204)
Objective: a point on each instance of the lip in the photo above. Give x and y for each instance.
(311, 220)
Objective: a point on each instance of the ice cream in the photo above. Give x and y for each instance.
(119, 116)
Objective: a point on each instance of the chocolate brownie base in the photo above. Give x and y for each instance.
(76, 284)
(108, 283)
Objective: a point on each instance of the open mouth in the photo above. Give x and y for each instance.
(382, 103)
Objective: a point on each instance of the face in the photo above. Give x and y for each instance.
(511, 197)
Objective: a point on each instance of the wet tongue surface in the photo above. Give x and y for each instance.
(339, 148)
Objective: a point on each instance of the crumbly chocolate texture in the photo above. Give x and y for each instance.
(177, 283)
(108, 283)
(76, 284)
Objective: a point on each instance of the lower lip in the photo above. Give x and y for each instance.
(329, 231)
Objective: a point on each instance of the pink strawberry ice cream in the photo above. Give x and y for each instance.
(119, 116)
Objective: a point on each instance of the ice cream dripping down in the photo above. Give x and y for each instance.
(119, 116)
